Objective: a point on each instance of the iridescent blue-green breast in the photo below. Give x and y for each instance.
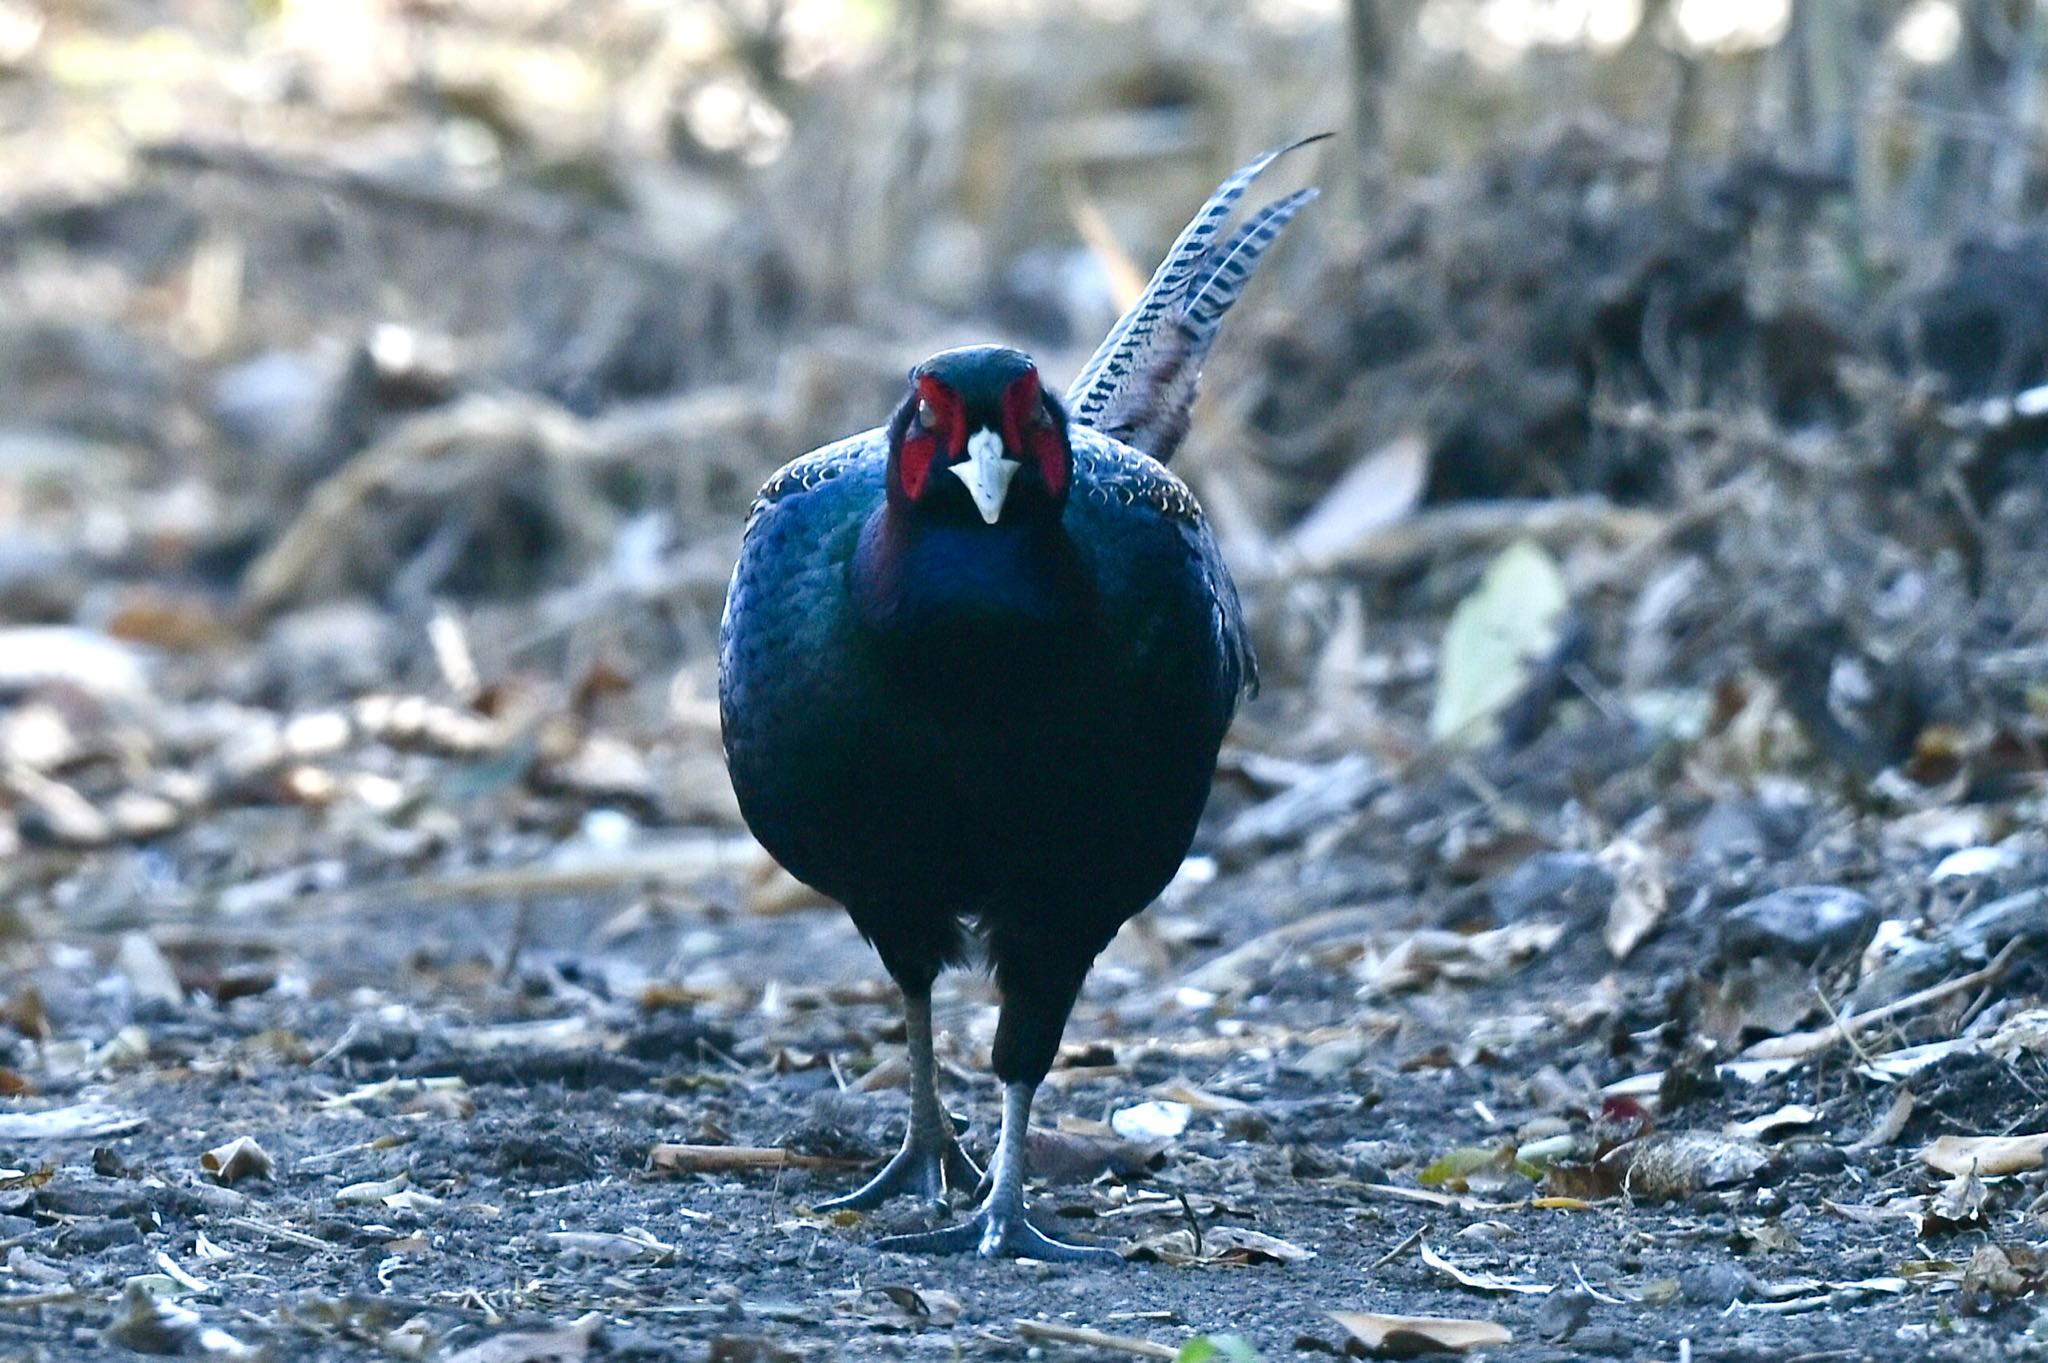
(1033, 729)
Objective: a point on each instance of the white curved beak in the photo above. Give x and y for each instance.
(987, 473)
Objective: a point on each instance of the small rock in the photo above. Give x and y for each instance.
(1731, 831)
(149, 973)
(1989, 928)
(1810, 924)
(676, 1039)
(1817, 1158)
(1969, 863)
(90, 1237)
(749, 1349)
(306, 411)
(381, 1041)
(1717, 1285)
(1571, 885)
(91, 1198)
(53, 814)
(137, 815)
(1562, 1313)
(102, 667)
(341, 648)
(1912, 967)
(1607, 1341)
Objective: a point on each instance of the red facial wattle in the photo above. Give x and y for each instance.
(923, 443)
(1029, 429)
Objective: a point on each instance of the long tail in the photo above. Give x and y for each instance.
(1140, 384)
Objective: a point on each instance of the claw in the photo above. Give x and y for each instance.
(999, 1226)
(924, 1168)
(996, 1232)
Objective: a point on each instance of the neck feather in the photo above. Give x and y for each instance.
(924, 578)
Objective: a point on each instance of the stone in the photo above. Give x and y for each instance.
(1812, 925)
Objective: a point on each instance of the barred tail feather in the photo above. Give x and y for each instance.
(1140, 383)
(1220, 287)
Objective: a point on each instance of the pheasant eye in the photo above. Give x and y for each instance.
(927, 415)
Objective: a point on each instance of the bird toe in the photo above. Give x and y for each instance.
(998, 1233)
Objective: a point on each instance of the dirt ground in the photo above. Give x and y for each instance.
(1616, 932)
(457, 1155)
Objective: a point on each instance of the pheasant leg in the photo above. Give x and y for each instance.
(931, 1161)
(999, 1226)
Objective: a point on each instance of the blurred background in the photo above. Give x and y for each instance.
(383, 386)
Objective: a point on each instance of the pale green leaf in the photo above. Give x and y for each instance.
(1510, 621)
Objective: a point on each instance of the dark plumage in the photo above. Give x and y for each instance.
(975, 669)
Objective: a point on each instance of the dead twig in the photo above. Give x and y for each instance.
(59, 1297)
(1223, 972)
(284, 1233)
(1803, 1045)
(1045, 1331)
(1473, 527)
(725, 1159)
(499, 214)
(1408, 1242)
(679, 862)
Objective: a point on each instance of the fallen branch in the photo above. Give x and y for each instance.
(284, 1233)
(1221, 974)
(59, 1297)
(1464, 528)
(446, 455)
(676, 863)
(1803, 1045)
(1045, 1331)
(499, 214)
(726, 1159)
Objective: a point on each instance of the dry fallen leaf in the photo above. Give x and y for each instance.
(240, 1158)
(1066, 1158)
(1406, 1336)
(1758, 1127)
(1987, 1156)
(1426, 956)
(68, 1123)
(152, 1325)
(1497, 637)
(892, 1305)
(362, 1194)
(1198, 1099)
(1380, 489)
(1889, 1124)
(634, 1242)
(569, 1344)
(2001, 1271)
(1481, 1282)
(891, 1073)
(1958, 1206)
(1221, 1247)
(1668, 1166)
(1053, 1332)
(1639, 895)
(1157, 1120)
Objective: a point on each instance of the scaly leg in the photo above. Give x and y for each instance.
(931, 1161)
(998, 1226)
